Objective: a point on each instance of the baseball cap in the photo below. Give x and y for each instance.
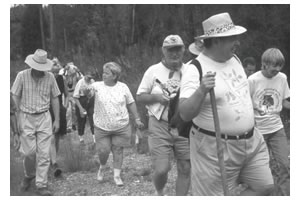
(172, 41)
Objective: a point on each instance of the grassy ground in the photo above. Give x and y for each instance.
(80, 164)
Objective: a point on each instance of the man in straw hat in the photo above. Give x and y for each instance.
(157, 87)
(33, 90)
(245, 152)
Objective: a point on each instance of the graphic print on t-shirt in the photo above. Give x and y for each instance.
(237, 91)
(268, 101)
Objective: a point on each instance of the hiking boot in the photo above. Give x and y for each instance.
(57, 170)
(44, 191)
(25, 185)
(100, 175)
(118, 181)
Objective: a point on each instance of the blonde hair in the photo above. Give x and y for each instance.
(273, 56)
(115, 69)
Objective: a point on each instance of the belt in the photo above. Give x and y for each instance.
(38, 113)
(246, 135)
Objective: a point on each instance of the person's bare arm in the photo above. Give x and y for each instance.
(286, 104)
(66, 93)
(190, 107)
(152, 98)
(55, 107)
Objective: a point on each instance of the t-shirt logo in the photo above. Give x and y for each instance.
(268, 101)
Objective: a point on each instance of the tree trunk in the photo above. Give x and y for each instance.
(65, 40)
(52, 36)
(42, 27)
(133, 24)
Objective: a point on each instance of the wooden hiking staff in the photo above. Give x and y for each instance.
(218, 139)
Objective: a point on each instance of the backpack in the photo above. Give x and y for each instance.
(174, 119)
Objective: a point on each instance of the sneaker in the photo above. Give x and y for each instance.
(69, 130)
(118, 181)
(100, 175)
(57, 170)
(81, 139)
(25, 185)
(44, 191)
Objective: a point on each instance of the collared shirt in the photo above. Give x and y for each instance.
(34, 94)
(156, 77)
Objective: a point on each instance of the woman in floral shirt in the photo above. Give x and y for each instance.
(113, 100)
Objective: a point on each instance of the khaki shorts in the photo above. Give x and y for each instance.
(246, 161)
(119, 138)
(162, 142)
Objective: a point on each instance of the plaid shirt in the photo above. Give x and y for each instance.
(35, 95)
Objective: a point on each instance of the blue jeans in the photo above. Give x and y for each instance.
(278, 145)
(88, 105)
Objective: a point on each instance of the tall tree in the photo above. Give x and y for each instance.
(31, 34)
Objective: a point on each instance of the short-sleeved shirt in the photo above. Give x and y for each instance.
(267, 96)
(35, 95)
(231, 91)
(110, 109)
(82, 88)
(156, 78)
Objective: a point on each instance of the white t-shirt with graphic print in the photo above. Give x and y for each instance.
(110, 111)
(82, 88)
(231, 91)
(169, 79)
(267, 96)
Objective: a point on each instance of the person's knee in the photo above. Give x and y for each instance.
(264, 190)
(184, 167)
(104, 150)
(30, 153)
(117, 149)
(161, 167)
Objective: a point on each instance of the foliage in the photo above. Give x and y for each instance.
(104, 32)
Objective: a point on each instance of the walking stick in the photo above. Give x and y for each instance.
(218, 139)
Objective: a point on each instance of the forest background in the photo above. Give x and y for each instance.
(132, 35)
(91, 35)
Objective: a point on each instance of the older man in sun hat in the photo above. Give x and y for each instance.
(160, 82)
(33, 90)
(246, 156)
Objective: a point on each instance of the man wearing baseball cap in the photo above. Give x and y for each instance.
(32, 91)
(159, 84)
(246, 156)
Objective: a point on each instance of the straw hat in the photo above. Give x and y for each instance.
(39, 60)
(196, 47)
(220, 25)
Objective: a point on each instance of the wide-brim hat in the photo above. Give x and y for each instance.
(39, 60)
(220, 25)
(196, 47)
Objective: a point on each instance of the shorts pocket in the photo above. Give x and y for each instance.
(198, 138)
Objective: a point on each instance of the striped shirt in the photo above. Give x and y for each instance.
(34, 94)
